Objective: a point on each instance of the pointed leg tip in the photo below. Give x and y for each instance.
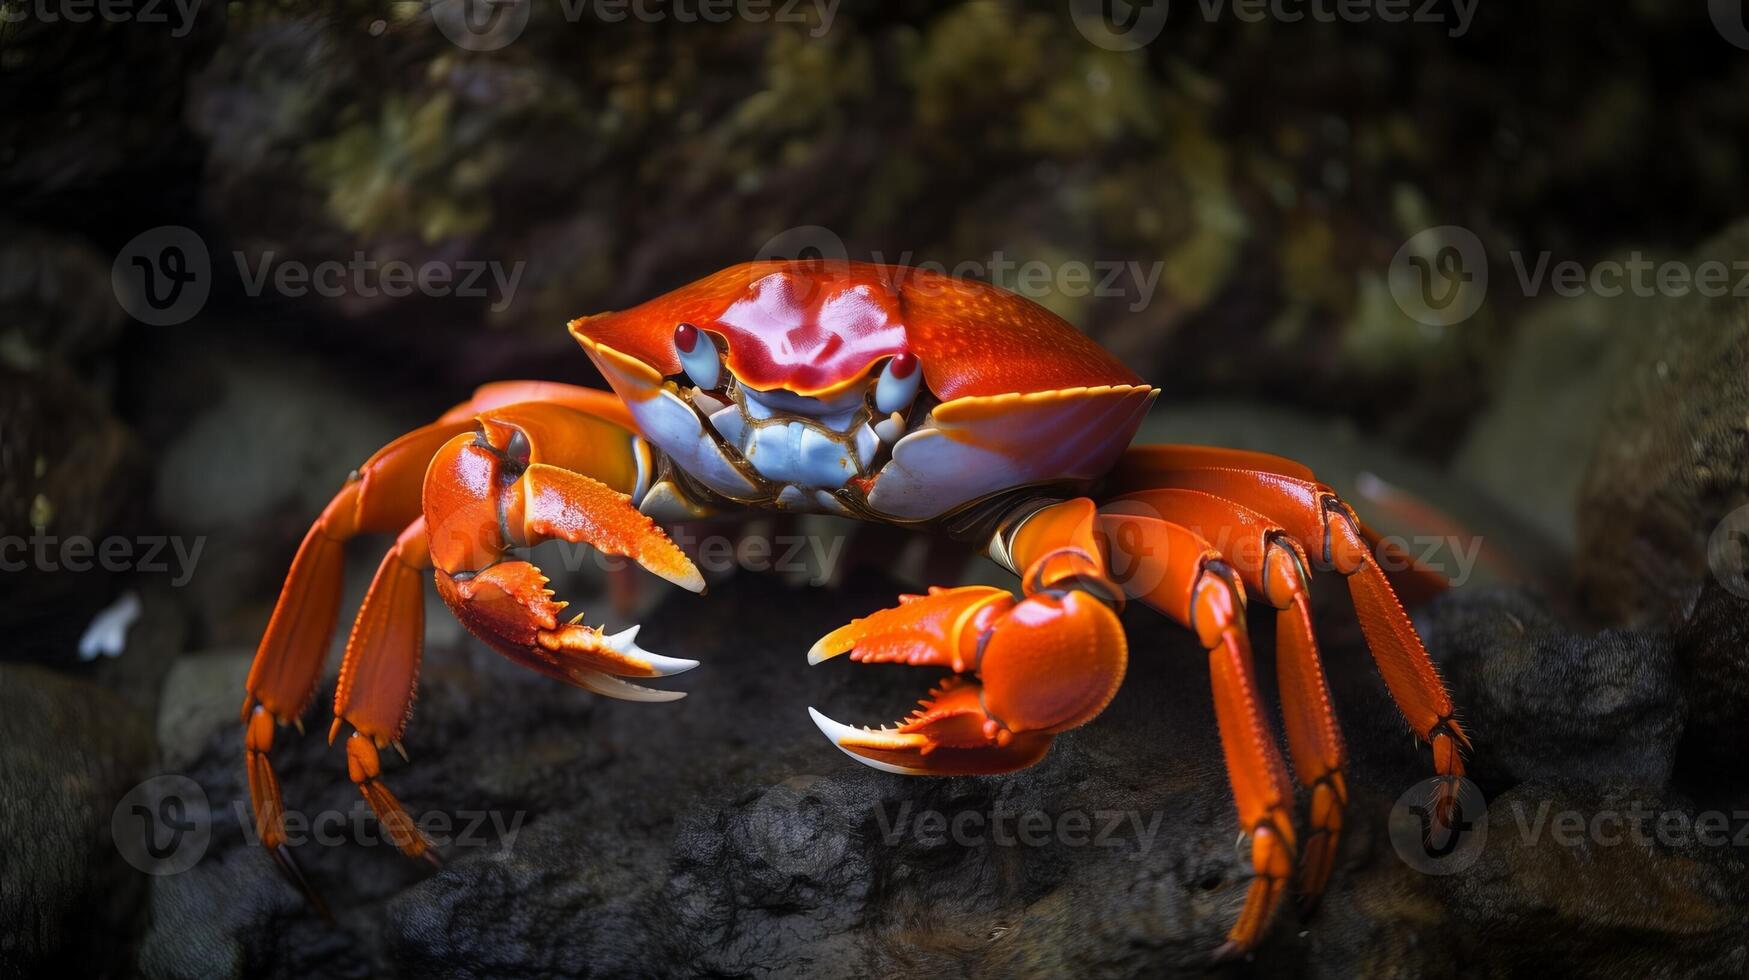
(290, 870)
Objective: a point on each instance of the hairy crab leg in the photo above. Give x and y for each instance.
(1272, 565)
(1196, 588)
(1312, 513)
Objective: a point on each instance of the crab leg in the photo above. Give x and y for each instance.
(1284, 493)
(1190, 582)
(384, 495)
(378, 676)
(1273, 565)
(380, 496)
(1025, 671)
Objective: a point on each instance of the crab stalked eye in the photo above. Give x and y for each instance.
(898, 383)
(698, 355)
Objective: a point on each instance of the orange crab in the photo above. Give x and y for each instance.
(893, 395)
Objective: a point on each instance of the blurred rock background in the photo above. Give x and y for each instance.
(1262, 176)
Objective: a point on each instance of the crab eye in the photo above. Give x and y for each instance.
(898, 383)
(698, 355)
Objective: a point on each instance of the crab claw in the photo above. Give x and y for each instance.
(510, 607)
(1023, 671)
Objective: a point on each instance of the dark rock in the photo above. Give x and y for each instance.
(1543, 703)
(722, 834)
(1672, 463)
(69, 753)
(1632, 885)
(1712, 651)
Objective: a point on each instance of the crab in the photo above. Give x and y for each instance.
(893, 395)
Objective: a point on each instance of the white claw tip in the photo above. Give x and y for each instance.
(626, 642)
(838, 732)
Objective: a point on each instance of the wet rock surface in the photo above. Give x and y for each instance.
(69, 752)
(1665, 502)
(722, 835)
